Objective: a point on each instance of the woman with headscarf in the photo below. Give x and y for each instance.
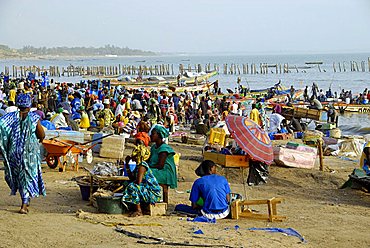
(144, 187)
(20, 134)
(162, 160)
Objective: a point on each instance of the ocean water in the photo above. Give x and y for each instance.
(356, 81)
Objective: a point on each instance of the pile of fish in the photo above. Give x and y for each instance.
(105, 169)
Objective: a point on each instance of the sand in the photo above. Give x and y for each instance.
(325, 215)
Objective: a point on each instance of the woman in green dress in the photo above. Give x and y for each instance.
(161, 160)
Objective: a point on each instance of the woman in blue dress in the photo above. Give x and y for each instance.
(20, 134)
(144, 187)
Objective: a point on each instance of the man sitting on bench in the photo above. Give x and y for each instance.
(210, 194)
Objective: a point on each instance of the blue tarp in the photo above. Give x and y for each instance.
(287, 231)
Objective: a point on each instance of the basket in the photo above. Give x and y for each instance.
(110, 205)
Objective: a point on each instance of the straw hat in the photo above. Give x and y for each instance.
(136, 114)
(106, 101)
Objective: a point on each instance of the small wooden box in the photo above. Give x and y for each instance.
(236, 161)
(159, 208)
(282, 136)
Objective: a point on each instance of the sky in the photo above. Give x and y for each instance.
(190, 26)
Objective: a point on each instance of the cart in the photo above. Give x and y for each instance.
(69, 151)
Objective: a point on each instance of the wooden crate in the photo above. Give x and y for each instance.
(236, 161)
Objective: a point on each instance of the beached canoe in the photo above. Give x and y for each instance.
(170, 80)
(173, 89)
(359, 108)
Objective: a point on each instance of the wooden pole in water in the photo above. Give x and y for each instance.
(335, 70)
(368, 62)
(321, 157)
(340, 68)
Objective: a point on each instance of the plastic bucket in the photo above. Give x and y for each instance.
(85, 191)
(110, 205)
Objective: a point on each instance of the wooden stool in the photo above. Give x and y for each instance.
(237, 209)
(159, 208)
(165, 192)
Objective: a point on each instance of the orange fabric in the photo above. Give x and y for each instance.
(144, 137)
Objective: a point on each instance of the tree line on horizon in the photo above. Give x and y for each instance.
(72, 51)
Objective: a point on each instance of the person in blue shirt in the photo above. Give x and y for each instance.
(211, 193)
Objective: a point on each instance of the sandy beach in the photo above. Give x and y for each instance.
(323, 214)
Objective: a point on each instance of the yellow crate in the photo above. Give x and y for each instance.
(217, 136)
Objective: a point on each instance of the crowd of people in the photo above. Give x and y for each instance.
(29, 106)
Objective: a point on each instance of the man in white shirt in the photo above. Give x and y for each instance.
(60, 121)
(234, 108)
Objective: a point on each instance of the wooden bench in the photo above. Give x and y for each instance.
(237, 209)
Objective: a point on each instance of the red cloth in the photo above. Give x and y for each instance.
(144, 137)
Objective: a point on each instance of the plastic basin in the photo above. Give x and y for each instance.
(110, 205)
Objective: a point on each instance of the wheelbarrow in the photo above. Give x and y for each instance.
(69, 150)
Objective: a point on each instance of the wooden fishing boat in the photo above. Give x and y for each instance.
(172, 88)
(170, 80)
(359, 108)
(280, 98)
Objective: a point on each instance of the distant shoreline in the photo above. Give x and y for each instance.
(62, 57)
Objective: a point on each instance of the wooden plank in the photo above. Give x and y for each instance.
(111, 178)
(235, 209)
(236, 161)
(253, 202)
